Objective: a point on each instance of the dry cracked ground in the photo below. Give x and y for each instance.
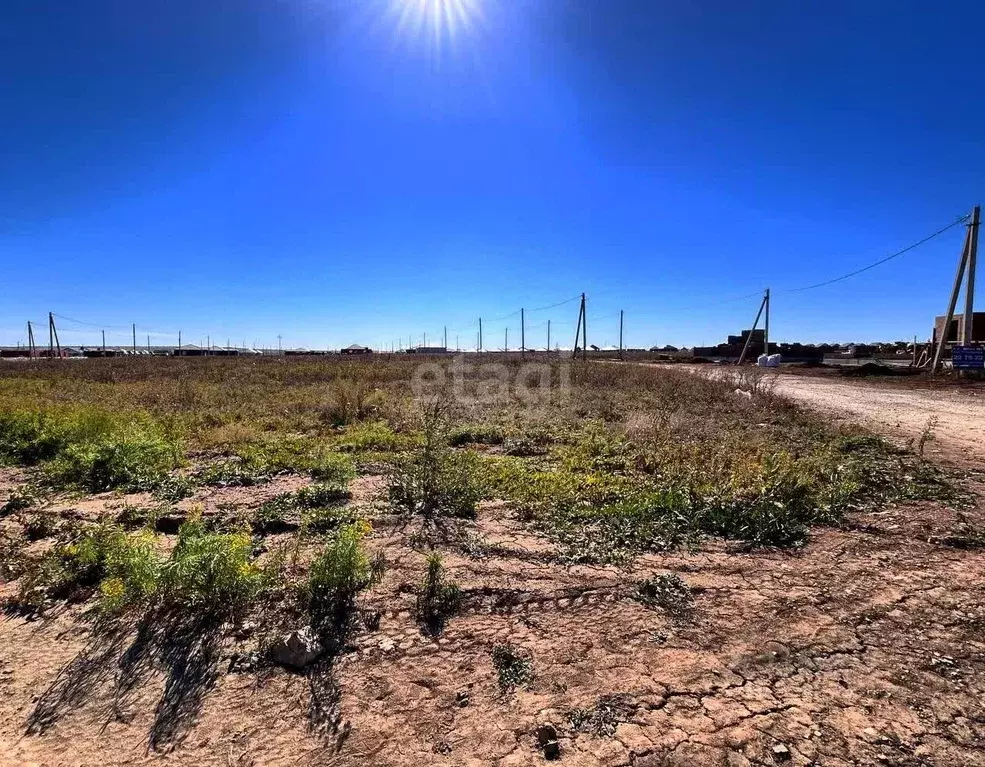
(867, 647)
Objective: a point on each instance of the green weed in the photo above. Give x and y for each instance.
(210, 571)
(433, 479)
(437, 598)
(340, 571)
(514, 667)
(669, 592)
(350, 400)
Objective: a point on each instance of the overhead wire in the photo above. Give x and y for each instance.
(880, 262)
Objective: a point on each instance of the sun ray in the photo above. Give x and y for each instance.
(443, 21)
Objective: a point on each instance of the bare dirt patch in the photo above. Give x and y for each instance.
(865, 648)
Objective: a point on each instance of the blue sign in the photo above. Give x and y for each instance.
(968, 357)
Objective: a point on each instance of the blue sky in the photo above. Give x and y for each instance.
(337, 172)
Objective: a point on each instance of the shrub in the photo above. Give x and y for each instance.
(73, 567)
(615, 533)
(133, 459)
(315, 505)
(210, 571)
(350, 400)
(476, 434)
(132, 572)
(173, 489)
(668, 592)
(340, 571)
(332, 468)
(437, 598)
(231, 473)
(769, 503)
(89, 448)
(434, 479)
(513, 667)
(372, 435)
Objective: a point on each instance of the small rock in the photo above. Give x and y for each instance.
(547, 739)
(462, 699)
(781, 752)
(298, 649)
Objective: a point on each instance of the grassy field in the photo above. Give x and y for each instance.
(201, 518)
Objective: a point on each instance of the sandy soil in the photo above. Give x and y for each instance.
(958, 417)
(866, 648)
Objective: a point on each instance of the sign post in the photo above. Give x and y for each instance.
(968, 357)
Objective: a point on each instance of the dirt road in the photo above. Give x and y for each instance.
(903, 414)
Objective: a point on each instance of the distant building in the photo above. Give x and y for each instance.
(357, 349)
(956, 331)
(428, 350)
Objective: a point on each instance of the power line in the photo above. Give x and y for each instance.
(554, 306)
(882, 261)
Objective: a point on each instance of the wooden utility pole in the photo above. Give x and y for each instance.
(507, 341)
(755, 324)
(446, 338)
(30, 341)
(970, 246)
(548, 335)
(148, 344)
(104, 343)
(523, 335)
(179, 341)
(620, 333)
(480, 334)
(135, 338)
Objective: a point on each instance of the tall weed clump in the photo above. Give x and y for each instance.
(438, 598)
(338, 573)
(210, 571)
(434, 479)
(349, 400)
(90, 449)
(88, 558)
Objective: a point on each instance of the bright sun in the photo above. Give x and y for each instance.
(440, 19)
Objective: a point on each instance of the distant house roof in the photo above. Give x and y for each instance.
(356, 348)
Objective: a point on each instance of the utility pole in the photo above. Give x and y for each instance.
(507, 341)
(969, 254)
(148, 344)
(523, 336)
(279, 349)
(135, 338)
(620, 334)
(104, 343)
(53, 342)
(30, 341)
(457, 347)
(480, 334)
(446, 338)
(179, 341)
(578, 325)
(763, 304)
(548, 336)
(208, 346)
(584, 329)
(766, 326)
(969, 298)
